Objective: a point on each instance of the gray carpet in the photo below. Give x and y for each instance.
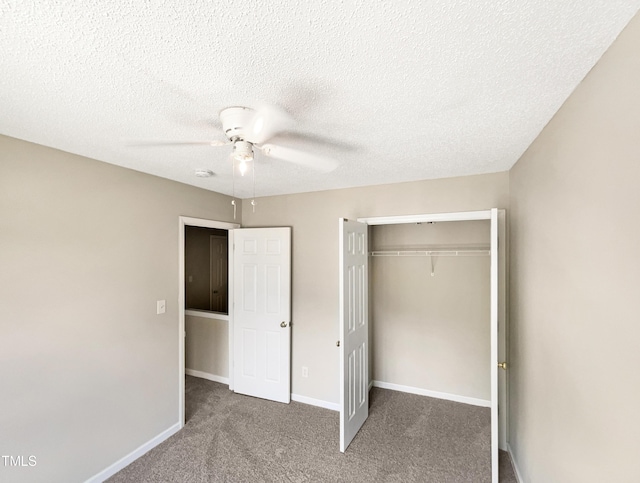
(407, 438)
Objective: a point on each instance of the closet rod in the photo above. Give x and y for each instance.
(430, 253)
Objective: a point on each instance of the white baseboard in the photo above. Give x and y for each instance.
(134, 455)
(206, 375)
(439, 395)
(516, 470)
(315, 402)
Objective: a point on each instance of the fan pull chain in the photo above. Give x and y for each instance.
(253, 172)
(233, 186)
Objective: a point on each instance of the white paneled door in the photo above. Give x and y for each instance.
(262, 313)
(354, 330)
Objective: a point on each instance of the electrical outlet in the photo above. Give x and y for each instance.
(161, 306)
(305, 371)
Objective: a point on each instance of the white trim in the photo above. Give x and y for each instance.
(514, 465)
(230, 306)
(203, 223)
(206, 315)
(493, 361)
(435, 394)
(425, 218)
(182, 334)
(315, 402)
(207, 376)
(182, 222)
(503, 329)
(134, 455)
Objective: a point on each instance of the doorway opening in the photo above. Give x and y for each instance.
(206, 275)
(205, 339)
(247, 348)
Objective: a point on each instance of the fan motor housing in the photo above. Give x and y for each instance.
(235, 120)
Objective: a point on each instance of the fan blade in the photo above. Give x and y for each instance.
(214, 143)
(268, 121)
(313, 161)
(289, 137)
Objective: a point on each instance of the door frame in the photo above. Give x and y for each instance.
(497, 218)
(184, 221)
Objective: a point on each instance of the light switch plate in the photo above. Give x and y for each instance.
(161, 306)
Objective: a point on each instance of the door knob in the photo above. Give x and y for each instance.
(503, 365)
(283, 324)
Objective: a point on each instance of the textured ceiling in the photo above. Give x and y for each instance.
(413, 89)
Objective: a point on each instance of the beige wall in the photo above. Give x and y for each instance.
(207, 345)
(431, 332)
(575, 272)
(314, 221)
(89, 371)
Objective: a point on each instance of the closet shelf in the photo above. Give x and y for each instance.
(431, 253)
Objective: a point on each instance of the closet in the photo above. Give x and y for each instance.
(429, 309)
(399, 329)
(433, 308)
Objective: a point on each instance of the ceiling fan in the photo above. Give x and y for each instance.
(248, 129)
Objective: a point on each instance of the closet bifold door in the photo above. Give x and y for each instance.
(354, 330)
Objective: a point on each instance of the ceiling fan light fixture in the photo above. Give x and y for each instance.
(242, 167)
(243, 151)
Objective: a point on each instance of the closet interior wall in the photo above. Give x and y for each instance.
(431, 333)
